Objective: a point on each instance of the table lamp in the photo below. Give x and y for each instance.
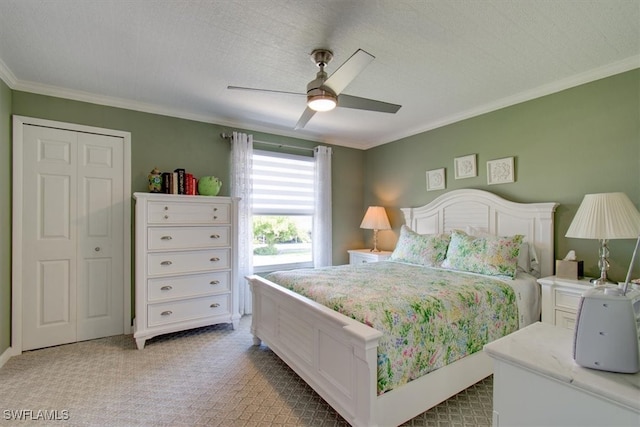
(375, 219)
(605, 216)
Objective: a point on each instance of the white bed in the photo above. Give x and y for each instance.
(337, 356)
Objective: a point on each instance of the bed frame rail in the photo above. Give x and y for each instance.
(334, 354)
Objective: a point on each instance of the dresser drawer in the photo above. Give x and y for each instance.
(190, 309)
(565, 319)
(188, 286)
(187, 237)
(188, 261)
(567, 299)
(188, 213)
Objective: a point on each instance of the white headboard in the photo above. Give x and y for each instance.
(489, 213)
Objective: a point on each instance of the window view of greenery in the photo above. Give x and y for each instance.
(281, 239)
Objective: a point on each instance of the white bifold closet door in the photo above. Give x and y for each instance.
(73, 218)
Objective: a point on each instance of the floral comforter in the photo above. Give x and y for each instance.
(429, 317)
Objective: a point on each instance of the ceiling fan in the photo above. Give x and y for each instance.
(324, 92)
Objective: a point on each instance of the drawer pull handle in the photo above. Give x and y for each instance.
(215, 217)
(214, 305)
(166, 217)
(214, 259)
(166, 238)
(214, 282)
(166, 313)
(166, 208)
(165, 263)
(215, 209)
(215, 236)
(166, 288)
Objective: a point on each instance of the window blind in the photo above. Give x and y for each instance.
(282, 184)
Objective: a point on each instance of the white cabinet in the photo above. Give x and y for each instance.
(362, 256)
(560, 299)
(185, 263)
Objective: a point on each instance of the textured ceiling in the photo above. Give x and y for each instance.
(442, 60)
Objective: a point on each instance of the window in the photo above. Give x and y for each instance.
(282, 210)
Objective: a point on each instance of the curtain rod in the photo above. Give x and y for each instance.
(275, 144)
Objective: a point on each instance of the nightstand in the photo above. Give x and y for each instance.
(362, 256)
(560, 299)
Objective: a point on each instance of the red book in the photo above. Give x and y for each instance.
(188, 185)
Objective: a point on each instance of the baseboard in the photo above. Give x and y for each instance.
(4, 357)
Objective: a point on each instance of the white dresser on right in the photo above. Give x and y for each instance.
(537, 383)
(185, 263)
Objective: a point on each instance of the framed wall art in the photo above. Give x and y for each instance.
(500, 171)
(435, 179)
(465, 166)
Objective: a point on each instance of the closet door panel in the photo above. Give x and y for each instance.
(101, 219)
(49, 250)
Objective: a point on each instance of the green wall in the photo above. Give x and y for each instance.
(578, 141)
(5, 217)
(169, 143)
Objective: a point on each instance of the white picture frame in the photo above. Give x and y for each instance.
(436, 179)
(465, 167)
(500, 171)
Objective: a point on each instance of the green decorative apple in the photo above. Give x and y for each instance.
(209, 186)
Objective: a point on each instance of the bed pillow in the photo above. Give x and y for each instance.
(422, 249)
(490, 255)
(527, 257)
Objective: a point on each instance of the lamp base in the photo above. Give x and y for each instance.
(375, 241)
(601, 282)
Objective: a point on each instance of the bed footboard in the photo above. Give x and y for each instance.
(334, 354)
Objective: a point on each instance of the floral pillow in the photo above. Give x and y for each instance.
(527, 258)
(422, 249)
(490, 255)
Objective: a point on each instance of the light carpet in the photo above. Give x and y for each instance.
(210, 376)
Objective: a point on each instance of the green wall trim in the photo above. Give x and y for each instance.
(5, 216)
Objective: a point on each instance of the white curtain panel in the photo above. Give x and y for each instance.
(322, 242)
(241, 187)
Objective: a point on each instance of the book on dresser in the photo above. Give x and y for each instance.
(185, 263)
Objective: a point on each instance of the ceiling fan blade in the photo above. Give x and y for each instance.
(341, 78)
(306, 116)
(264, 90)
(348, 101)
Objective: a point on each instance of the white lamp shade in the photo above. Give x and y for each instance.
(605, 216)
(375, 219)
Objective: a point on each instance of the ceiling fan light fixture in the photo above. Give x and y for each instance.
(320, 98)
(322, 102)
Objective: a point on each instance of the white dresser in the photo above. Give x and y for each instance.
(536, 383)
(185, 263)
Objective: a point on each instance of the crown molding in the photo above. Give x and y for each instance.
(608, 70)
(558, 86)
(58, 92)
(6, 75)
